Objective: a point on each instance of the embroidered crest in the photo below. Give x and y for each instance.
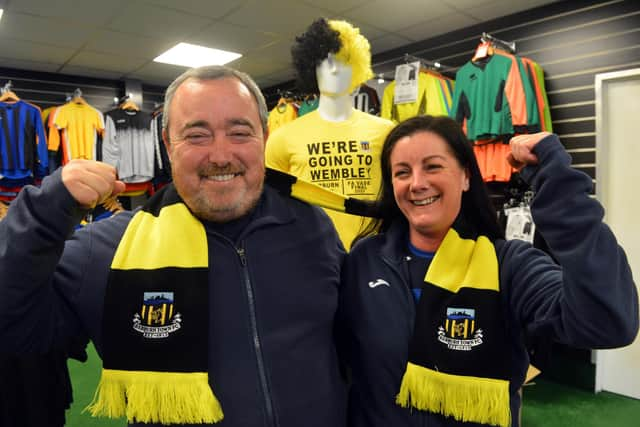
(365, 146)
(459, 331)
(156, 318)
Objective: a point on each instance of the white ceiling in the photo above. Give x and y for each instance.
(118, 39)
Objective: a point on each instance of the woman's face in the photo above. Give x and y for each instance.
(428, 183)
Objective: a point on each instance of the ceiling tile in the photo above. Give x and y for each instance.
(164, 24)
(127, 44)
(436, 27)
(36, 29)
(388, 42)
(156, 73)
(107, 61)
(465, 4)
(278, 53)
(29, 51)
(205, 8)
(90, 72)
(369, 31)
(256, 68)
(284, 17)
(120, 37)
(413, 12)
(94, 12)
(336, 6)
(222, 35)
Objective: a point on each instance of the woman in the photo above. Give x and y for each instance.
(439, 307)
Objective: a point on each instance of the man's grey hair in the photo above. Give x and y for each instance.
(215, 72)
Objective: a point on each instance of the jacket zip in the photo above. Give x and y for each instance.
(404, 275)
(256, 339)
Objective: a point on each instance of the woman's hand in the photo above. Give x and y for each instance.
(522, 149)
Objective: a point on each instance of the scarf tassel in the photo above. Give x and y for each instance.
(156, 397)
(480, 400)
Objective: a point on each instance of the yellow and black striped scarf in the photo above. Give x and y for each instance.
(456, 356)
(155, 321)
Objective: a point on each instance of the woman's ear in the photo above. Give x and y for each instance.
(465, 180)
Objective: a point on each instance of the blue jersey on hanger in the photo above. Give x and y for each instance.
(23, 145)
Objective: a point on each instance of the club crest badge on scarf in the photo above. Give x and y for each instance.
(459, 331)
(157, 319)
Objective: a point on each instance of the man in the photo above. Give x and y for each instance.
(214, 303)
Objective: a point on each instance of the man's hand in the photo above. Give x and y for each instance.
(522, 149)
(90, 182)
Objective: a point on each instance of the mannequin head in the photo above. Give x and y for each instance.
(334, 77)
(325, 37)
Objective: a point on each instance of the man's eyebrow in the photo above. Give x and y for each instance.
(241, 122)
(195, 124)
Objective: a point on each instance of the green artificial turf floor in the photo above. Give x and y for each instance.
(546, 404)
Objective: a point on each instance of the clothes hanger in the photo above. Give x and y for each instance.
(77, 98)
(129, 105)
(8, 95)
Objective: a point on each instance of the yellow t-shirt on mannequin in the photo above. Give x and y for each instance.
(343, 157)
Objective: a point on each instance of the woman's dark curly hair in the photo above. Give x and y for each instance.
(310, 49)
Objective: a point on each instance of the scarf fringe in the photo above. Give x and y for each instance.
(156, 397)
(480, 400)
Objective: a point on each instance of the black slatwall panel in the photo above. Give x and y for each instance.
(152, 97)
(572, 40)
(49, 89)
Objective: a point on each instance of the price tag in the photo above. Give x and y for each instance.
(520, 224)
(406, 90)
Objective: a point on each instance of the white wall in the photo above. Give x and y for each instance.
(618, 189)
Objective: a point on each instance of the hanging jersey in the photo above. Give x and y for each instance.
(308, 105)
(367, 100)
(128, 144)
(492, 161)
(541, 93)
(431, 100)
(343, 157)
(281, 114)
(162, 166)
(80, 125)
(530, 122)
(489, 97)
(23, 145)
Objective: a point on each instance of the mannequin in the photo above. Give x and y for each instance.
(335, 146)
(334, 79)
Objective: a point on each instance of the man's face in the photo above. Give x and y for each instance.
(215, 142)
